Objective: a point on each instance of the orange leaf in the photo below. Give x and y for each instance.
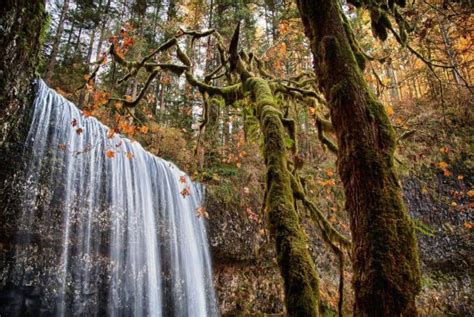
(110, 154)
(182, 179)
(86, 113)
(185, 192)
(201, 212)
(110, 134)
(130, 155)
(79, 131)
(469, 225)
(389, 110)
(442, 165)
(144, 129)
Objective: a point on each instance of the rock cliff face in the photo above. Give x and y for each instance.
(247, 277)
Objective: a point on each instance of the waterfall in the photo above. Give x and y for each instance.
(105, 227)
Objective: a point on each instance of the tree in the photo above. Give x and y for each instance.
(386, 270)
(248, 80)
(23, 25)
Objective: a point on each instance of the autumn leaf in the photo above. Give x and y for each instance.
(86, 113)
(127, 42)
(182, 179)
(130, 155)
(469, 225)
(74, 122)
(144, 129)
(62, 147)
(129, 98)
(118, 105)
(460, 177)
(389, 110)
(119, 144)
(246, 190)
(471, 193)
(110, 154)
(329, 172)
(185, 192)
(442, 165)
(252, 216)
(79, 131)
(444, 149)
(110, 134)
(201, 212)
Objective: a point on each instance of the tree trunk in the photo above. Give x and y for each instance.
(56, 42)
(296, 265)
(386, 270)
(23, 25)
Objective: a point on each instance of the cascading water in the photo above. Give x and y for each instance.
(103, 235)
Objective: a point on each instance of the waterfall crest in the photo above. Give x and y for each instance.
(101, 235)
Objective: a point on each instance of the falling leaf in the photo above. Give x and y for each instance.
(130, 155)
(119, 144)
(460, 177)
(74, 122)
(446, 173)
(185, 192)
(110, 134)
(182, 179)
(442, 165)
(201, 212)
(62, 146)
(79, 131)
(110, 154)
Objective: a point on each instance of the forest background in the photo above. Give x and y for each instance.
(425, 86)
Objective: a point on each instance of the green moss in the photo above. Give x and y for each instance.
(296, 266)
(386, 269)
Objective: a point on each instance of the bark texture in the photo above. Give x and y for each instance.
(385, 258)
(23, 25)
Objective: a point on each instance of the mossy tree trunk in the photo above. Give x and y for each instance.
(23, 25)
(296, 265)
(386, 270)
